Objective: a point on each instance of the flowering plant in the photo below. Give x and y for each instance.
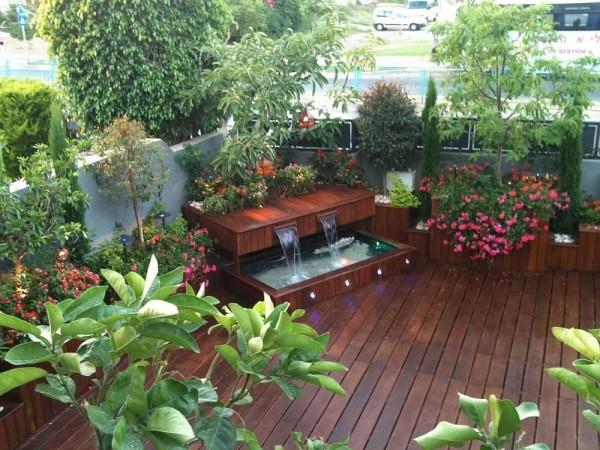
(26, 296)
(292, 180)
(221, 196)
(489, 218)
(589, 213)
(337, 167)
(175, 245)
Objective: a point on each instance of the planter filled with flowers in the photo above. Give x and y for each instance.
(477, 217)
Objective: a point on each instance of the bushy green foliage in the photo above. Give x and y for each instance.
(388, 126)
(504, 426)
(584, 379)
(338, 167)
(35, 217)
(589, 212)
(24, 119)
(259, 16)
(136, 59)
(292, 181)
(132, 167)
(285, 15)
(401, 196)
(125, 347)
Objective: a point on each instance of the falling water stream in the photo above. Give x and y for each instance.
(329, 223)
(288, 238)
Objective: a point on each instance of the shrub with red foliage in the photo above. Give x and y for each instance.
(337, 167)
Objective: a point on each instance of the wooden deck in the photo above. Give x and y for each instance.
(413, 342)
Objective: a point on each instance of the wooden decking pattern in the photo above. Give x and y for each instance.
(413, 342)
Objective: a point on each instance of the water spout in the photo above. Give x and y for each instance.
(329, 223)
(288, 238)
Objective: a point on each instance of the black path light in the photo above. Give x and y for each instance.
(162, 216)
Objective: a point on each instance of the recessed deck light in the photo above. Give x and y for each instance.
(380, 271)
(347, 283)
(312, 295)
(407, 261)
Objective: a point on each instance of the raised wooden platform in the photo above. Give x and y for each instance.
(412, 343)
(250, 230)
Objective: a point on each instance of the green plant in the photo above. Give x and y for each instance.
(501, 57)
(314, 444)
(24, 119)
(248, 16)
(584, 380)
(505, 422)
(151, 79)
(34, 217)
(388, 125)
(131, 168)
(401, 196)
(215, 204)
(125, 347)
(432, 144)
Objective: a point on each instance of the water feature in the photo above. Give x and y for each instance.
(329, 223)
(275, 272)
(288, 238)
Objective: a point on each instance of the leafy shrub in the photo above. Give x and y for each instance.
(216, 205)
(505, 421)
(176, 246)
(589, 212)
(584, 380)
(120, 343)
(487, 218)
(26, 296)
(24, 119)
(220, 196)
(401, 196)
(292, 181)
(283, 15)
(388, 126)
(337, 167)
(248, 15)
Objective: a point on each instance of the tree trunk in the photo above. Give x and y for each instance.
(138, 219)
(499, 162)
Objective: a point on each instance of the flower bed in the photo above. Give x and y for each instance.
(487, 218)
(338, 167)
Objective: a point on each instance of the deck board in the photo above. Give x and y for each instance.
(413, 342)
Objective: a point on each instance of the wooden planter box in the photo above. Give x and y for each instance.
(419, 239)
(588, 255)
(391, 222)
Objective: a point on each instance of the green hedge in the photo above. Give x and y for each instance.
(24, 119)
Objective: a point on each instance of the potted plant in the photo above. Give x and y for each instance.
(388, 128)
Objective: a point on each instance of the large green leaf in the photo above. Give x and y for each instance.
(577, 383)
(119, 285)
(58, 388)
(123, 337)
(175, 394)
(170, 333)
(537, 446)
(82, 327)
(242, 319)
(589, 368)
(163, 441)
(172, 278)
(109, 314)
(157, 308)
(171, 422)
(27, 353)
(527, 410)
(327, 366)
(592, 418)
(447, 435)
(475, 409)
(288, 387)
(579, 340)
(325, 382)
(151, 274)
(230, 355)
(193, 303)
(100, 419)
(299, 341)
(18, 324)
(91, 298)
(248, 438)
(216, 432)
(13, 378)
(136, 281)
(505, 418)
(136, 394)
(55, 317)
(124, 438)
(205, 391)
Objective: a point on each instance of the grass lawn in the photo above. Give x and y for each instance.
(404, 48)
(358, 15)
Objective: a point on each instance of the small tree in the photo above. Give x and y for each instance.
(388, 126)
(431, 143)
(500, 53)
(35, 217)
(132, 168)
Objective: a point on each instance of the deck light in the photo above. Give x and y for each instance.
(347, 283)
(312, 295)
(380, 271)
(407, 261)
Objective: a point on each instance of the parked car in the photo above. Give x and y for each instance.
(394, 17)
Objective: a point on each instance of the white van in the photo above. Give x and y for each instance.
(390, 16)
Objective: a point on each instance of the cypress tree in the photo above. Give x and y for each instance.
(65, 165)
(431, 144)
(569, 173)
